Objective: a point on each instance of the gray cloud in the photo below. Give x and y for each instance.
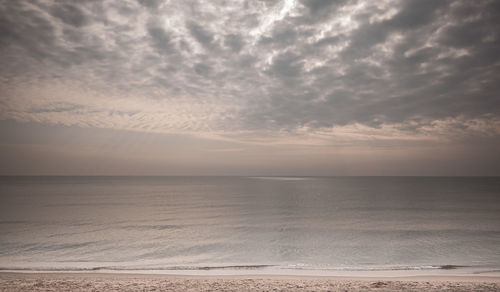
(264, 65)
(200, 34)
(69, 14)
(234, 42)
(153, 4)
(319, 10)
(161, 40)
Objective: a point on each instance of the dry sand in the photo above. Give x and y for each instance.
(140, 282)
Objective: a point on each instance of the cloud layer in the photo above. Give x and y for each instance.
(256, 71)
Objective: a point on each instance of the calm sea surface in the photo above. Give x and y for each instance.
(190, 223)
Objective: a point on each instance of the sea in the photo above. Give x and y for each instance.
(278, 225)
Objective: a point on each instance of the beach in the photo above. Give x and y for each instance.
(155, 282)
(292, 145)
(249, 234)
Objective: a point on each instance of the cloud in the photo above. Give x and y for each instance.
(204, 37)
(69, 14)
(234, 68)
(234, 42)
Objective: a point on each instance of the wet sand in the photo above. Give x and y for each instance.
(154, 282)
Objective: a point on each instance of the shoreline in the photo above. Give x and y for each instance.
(42, 281)
(270, 270)
(428, 277)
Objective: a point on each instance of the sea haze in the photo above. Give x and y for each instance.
(283, 223)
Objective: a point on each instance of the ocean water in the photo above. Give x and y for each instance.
(249, 223)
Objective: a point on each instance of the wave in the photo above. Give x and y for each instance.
(391, 268)
(234, 267)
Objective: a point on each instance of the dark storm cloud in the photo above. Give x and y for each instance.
(276, 64)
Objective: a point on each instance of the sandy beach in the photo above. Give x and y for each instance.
(148, 282)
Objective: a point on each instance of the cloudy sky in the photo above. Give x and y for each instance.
(264, 87)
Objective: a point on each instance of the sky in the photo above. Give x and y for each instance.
(264, 87)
